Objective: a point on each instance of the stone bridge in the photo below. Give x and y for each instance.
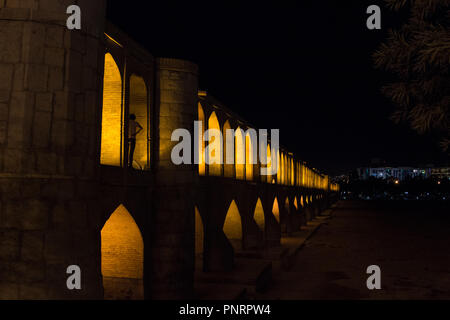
(68, 196)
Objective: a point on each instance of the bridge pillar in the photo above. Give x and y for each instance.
(170, 246)
(50, 100)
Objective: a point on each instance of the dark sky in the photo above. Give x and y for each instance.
(303, 67)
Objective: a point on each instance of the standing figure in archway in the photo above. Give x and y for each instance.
(134, 128)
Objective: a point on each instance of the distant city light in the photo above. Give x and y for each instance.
(397, 182)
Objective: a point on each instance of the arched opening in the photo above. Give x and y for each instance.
(199, 234)
(276, 210)
(288, 170)
(122, 257)
(139, 107)
(249, 157)
(292, 172)
(214, 148)
(258, 215)
(201, 142)
(239, 145)
(281, 177)
(295, 203)
(228, 168)
(269, 165)
(301, 201)
(111, 136)
(232, 226)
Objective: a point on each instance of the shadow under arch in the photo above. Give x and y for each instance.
(122, 257)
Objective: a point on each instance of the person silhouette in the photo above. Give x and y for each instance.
(134, 128)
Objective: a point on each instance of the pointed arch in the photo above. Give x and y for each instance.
(269, 164)
(301, 201)
(232, 226)
(201, 142)
(139, 107)
(239, 144)
(276, 210)
(122, 256)
(279, 168)
(295, 203)
(258, 215)
(199, 233)
(249, 155)
(292, 172)
(111, 136)
(215, 147)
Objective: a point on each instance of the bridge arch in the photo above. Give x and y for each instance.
(201, 142)
(250, 145)
(122, 257)
(258, 215)
(199, 233)
(232, 226)
(215, 147)
(112, 114)
(276, 210)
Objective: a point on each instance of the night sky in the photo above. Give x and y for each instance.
(302, 67)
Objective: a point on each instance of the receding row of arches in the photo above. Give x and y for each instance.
(122, 245)
(232, 225)
(213, 157)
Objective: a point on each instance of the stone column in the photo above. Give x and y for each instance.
(50, 102)
(170, 250)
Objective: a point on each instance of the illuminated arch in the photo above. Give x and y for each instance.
(139, 107)
(258, 215)
(292, 172)
(239, 145)
(111, 136)
(269, 164)
(201, 142)
(249, 156)
(214, 148)
(276, 210)
(288, 170)
(199, 233)
(279, 168)
(301, 201)
(232, 226)
(295, 203)
(122, 257)
(228, 169)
